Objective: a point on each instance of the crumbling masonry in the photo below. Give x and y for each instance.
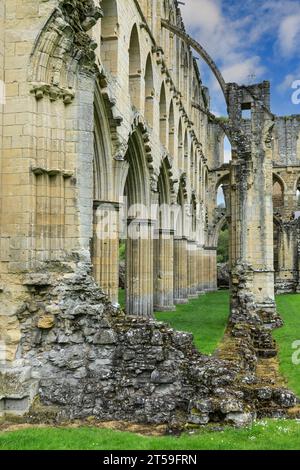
(106, 120)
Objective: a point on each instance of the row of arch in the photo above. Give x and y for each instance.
(280, 189)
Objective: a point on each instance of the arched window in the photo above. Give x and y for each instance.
(186, 153)
(180, 147)
(278, 194)
(298, 194)
(135, 68)
(163, 116)
(227, 150)
(186, 76)
(171, 129)
(109, 35)
(149, 91)
(221, 204)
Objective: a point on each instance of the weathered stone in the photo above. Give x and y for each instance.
(239, 419)
(46, 322)
(105, 337)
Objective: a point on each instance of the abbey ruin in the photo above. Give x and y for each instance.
(106, 134)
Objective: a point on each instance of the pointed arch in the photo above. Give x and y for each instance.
(135, 68)
(109, 35)
(164, 196)
(186, 153)
(163, 115)
(102, 164)
(278, 192)
(180, 146)
(180, 216)
(149, 91)
(171, 129)
(136, 188)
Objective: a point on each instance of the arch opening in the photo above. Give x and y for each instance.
(109, 35)
(163, 116)
(149, 91)
(171, 129)
(135, 68)
(138, 249)
(278, 194)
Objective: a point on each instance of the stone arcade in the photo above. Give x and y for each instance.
(106, 120)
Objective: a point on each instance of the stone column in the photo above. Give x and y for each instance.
(200, 289)
(163, 270)
(105, 253)
(192, 286)
(251, 230)
(139, 267)
(205, 270)
(213, 269)
(180, 271)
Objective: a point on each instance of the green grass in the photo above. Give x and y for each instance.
(122, 298)
(289, 308)
(264, 435)
(205, 317)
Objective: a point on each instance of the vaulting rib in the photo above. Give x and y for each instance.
(202, 52)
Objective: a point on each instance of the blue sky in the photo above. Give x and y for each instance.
(251, 41)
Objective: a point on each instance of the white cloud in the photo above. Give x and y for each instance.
(244, 71)
(289, 34)
(288, 80)
(236, 34)
(224, 39)
(231, 31)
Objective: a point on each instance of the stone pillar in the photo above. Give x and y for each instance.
(105, 253)
(200, 289)
(164, 270)
(180, 271)
(213, 269)
(192, 287)
(251, 228)
(139, 267)
(205, 271)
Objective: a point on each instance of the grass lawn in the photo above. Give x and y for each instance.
(206, 318)
(289, 308)
(264, 435)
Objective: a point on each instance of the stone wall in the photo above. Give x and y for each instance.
(84, 358)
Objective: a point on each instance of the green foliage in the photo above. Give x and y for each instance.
(223, 246)
(122, 298)
(122, 250)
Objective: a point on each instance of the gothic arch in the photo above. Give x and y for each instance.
(163, 115)
(137, 187)
(180, 146)
(110, 34)
(202, 52)
(278, 192)
(102, 151)
(186, 153)
(164, 195)
(135, 68)
(213, 242)
(149, 91)
(171, 129)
